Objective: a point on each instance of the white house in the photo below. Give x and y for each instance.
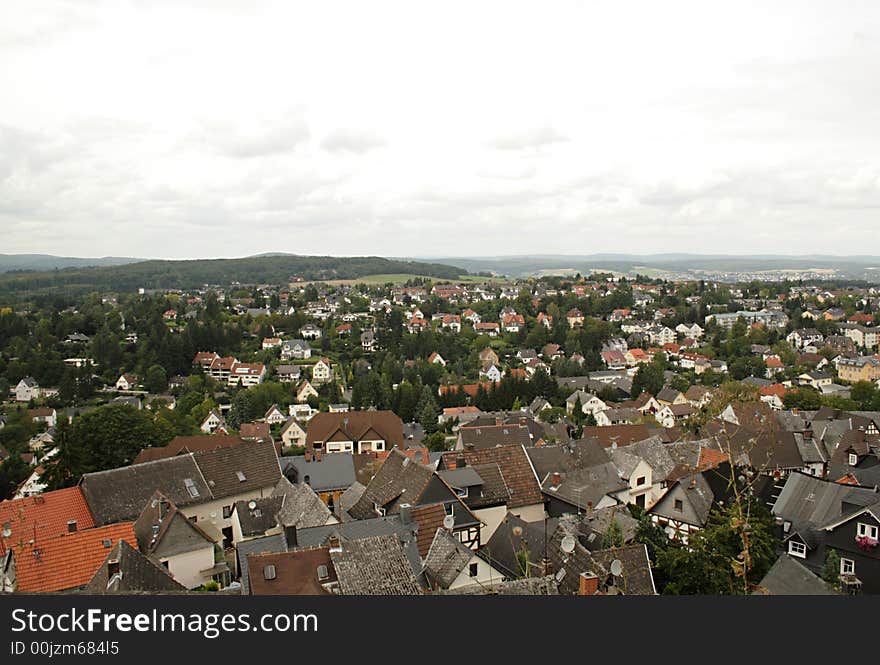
(293, 434)
(322, 372)
(492, 374)
(27, 389)
(212, 422)
(127, 382)
(589, 402)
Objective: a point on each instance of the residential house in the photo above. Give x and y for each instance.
(213, 422)
(368, 341)
(63, 562)
(589, 403)
(401, 484)
(356, 431)
(292, 434)
(296, 349)
(494, 482)
(311, 331)
(185, 548)
(274, 416)
(127, 382)
(575, 318)
(27, 389)
(203, 485)
(128, 571)
(451, 565)
(814, 516)
(322, 371)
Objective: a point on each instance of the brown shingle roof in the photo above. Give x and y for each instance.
(296, 572)
(514, 465)
(354, 424)
(183, 444)
(257, 461)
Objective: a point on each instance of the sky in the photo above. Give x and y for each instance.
(206, 128)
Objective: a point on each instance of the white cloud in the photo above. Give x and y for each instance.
(196, 129)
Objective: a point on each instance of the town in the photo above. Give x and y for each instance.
(561, 435)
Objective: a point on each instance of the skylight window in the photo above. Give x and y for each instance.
(240, 475)
(191, 487)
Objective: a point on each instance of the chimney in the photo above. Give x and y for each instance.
(71, 526)
(308, 456)
(112, 567)
(498, 422)
(290, 537)
(335, 543)
(460, 462)
(405, 513)
(556, 479)
(317, 455)
(588, 584)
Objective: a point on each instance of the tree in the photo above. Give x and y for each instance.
(242, 410)
(649, 378)
(156, 380)
(613, 536)
(727, 557)
(831, 570)
(435, 442)
(106, 438)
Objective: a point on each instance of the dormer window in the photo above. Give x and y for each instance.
(797, 549)
(853, 459)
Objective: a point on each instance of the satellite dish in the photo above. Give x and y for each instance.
(517, 531)
(448, 522)
(568, 544)
(252, 504)
(616, 568)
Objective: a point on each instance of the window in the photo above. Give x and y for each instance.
(269, 572)
(191, 487)
(323, 573)
(853, 459)
(461, 492)
(227, 512)
(847, 566)
(797, 549)
(679, 505)
(640, 480)
(868, 530)
(472, 570)
(240, 475)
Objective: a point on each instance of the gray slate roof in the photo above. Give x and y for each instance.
(446, 558)
(333, 472)
(375, 566)
(788, 577)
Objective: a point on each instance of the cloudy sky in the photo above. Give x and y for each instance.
(204, 128)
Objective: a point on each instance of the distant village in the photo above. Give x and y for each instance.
(582, 435)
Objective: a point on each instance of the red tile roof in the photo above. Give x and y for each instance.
(67, 561)
(44, 515)
(711, 458)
